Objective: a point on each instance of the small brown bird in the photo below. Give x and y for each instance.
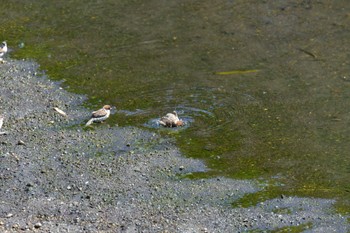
(100, 115)
(171, 120)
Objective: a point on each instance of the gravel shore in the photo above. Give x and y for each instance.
(57, 176)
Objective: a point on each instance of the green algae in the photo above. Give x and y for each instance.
(231, 72)
(293, 229)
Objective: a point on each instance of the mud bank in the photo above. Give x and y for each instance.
(57, 176)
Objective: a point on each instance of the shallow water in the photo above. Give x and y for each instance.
(263, 85)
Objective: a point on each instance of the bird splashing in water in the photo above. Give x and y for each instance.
(171, 120)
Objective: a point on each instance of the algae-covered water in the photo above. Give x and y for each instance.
(263, 85)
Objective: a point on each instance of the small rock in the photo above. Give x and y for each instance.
(20, 142)
(24, 228)
(38, 225)
(77, 220)
(59, 111)
(21, 45)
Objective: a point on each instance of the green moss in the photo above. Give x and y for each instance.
(293, 229)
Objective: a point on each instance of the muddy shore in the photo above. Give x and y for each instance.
(57, 176)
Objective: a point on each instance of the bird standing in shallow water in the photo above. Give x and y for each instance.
(3, 50)
(100, 115)
(171, 120)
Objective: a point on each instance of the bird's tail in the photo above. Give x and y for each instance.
(89, 122)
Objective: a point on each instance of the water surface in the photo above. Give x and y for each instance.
(264, 85)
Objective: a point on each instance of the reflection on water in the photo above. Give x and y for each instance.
(261, 83)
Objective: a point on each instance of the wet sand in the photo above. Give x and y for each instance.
(57, 176)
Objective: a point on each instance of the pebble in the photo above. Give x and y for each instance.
(38, 225)
(20, 142)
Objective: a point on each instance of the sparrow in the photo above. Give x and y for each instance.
(171, 120)
(3, 49)
(100, 115)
